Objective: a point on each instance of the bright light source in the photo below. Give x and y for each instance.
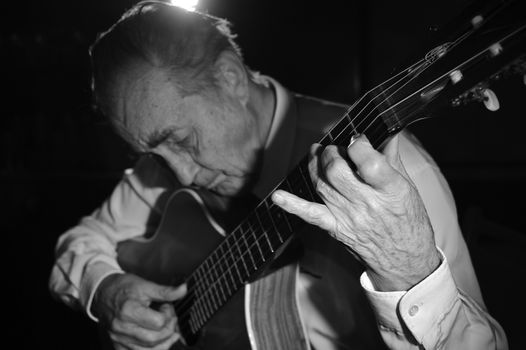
(189, 5)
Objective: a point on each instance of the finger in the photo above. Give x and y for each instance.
(371, 165)
(314, 166)
(338, 172)
(157, 292)
(167, 344)
(131, 334)
(121, 343)
(313, 213)
(142, 315)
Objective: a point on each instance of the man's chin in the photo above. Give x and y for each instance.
(233, 190)
(230, 191)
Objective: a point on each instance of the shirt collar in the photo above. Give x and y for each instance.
(278, 147)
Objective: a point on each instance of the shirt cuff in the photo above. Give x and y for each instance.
(420, 309)
(91, 281)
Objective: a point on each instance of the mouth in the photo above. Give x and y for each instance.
(214, 182)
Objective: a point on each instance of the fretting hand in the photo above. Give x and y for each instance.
(371, 206)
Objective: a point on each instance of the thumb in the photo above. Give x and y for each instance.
(158, 292)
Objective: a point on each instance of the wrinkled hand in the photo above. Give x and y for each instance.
(122, 303)
(371, 206)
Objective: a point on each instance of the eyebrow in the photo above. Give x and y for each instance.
(159, 136)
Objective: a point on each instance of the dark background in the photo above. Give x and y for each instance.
(59, 159)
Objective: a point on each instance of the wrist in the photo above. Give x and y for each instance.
(404, 279)
(101, 293)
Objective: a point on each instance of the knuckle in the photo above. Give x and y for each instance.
(334, 168)
(373, 165)
(128, 307)
(320, 186)
(115, 325)
(150, 338)
(313, 214)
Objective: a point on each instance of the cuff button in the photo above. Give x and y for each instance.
(413, 310)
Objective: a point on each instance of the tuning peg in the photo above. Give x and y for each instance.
(490, 100)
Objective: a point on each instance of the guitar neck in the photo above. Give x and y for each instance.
(266, 231)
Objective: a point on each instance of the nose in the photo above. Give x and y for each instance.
(183, 166)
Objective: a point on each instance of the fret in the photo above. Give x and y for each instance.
(300, 186)
(193, 325)
(198, 313)
(255, 242)
(240, 255)
(225, 279)
(342, 130)
(274, 220)
(258, 244)
(247, 248)
(281, 216)
(199, 280)
(207, 298)
(350, 121)
(211, 287)
(304, 171)
(326, 140)
(215, 276)
(231, 259)
(201, 305)
(198, 294)
(285, 185)
(209, 305)
(287, 229)
(271, 231)
(260, 218)
(212, 296)
(224, 267)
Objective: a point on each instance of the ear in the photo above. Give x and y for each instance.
(232, 75)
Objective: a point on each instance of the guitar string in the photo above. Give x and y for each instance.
(464, 65)
(208, 290)
(223, 258)
(229, 269)
(218, 262)
(459, 40)
(267, 238)
(258, 239)
(408, 69)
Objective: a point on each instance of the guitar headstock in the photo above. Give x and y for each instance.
(487, 45)
(491, 48)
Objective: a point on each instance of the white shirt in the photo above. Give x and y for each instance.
(445, 310)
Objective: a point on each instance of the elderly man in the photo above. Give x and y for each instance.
(174, 85)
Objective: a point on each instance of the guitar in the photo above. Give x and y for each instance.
(241, 283)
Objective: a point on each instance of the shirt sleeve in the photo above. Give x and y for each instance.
(446, 309)
(86, 253)
(434, 314)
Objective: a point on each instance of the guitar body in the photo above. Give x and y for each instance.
(262, 315)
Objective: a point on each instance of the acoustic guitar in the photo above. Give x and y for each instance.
(239, 294)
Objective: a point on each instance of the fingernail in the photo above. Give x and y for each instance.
(277, 198)
(353, 139)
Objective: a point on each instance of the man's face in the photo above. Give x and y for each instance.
(208, 141)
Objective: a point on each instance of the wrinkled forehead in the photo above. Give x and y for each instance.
(146, 101)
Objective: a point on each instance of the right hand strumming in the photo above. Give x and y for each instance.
(123, 305)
